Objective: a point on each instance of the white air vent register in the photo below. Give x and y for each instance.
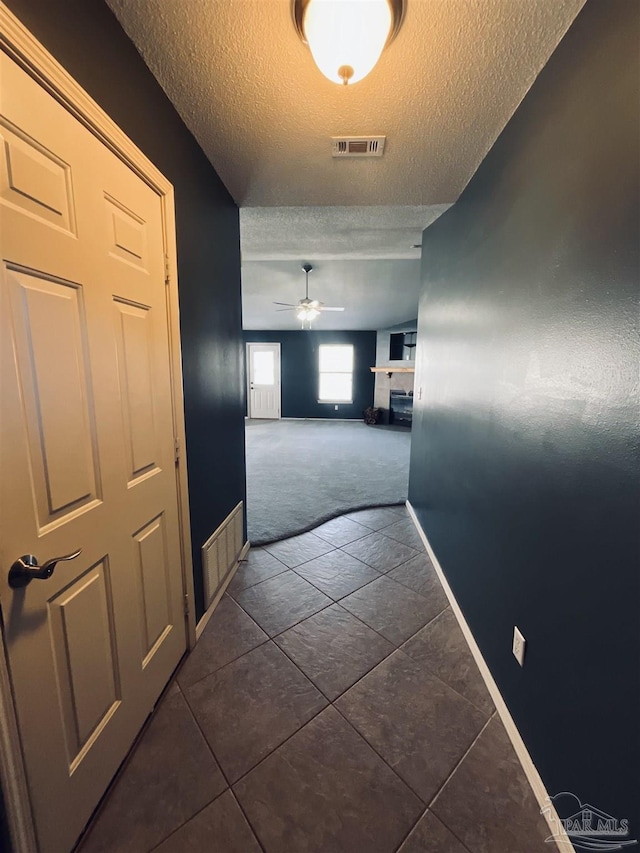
(357, 146)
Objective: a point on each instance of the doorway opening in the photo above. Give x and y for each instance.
(263, 380)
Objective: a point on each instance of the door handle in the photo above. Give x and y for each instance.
(26, 569)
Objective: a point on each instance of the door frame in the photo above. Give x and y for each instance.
(21, 46)
(247, 362)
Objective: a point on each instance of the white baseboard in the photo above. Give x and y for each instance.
(537, 785)
(202, 624)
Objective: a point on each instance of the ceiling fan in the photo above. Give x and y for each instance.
(307, 309)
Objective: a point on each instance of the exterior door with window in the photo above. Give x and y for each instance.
(263, 375)
(86, 454)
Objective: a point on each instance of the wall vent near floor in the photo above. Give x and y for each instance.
(221, 551)
(357, 146)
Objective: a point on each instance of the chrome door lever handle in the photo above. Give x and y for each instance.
(26, 569)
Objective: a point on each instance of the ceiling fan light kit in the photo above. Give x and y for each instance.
(346, 37)
(307, 309)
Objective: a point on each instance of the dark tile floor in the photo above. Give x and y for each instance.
(331, 705)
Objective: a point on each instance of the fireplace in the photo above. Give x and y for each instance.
(401, 408)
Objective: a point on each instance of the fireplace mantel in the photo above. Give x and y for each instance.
(391, 370)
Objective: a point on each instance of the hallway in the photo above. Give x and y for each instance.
(330, 705)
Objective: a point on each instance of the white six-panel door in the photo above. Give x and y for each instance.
(263, 373)
(86, 454)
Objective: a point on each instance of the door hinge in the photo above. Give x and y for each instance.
(167, 270)
(187, 606)
(176, 449)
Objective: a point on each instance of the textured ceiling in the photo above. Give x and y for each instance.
(291, 233)
(248, 89)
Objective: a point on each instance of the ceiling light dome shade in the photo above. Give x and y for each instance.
(346, 37)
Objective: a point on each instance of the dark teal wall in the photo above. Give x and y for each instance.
(525, 462)
(87, 40)
(299, 371)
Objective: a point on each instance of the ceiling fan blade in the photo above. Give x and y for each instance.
(329, 308)
(288, 304)
(293, 307)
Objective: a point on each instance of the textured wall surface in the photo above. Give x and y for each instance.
(524, 468)
(299, 371)
(87, 40)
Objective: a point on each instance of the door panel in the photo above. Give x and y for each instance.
(83, 640)
(134, 346)
(263, 372)
(127, 234)
(34, 180)
(86, 453)
(49, 325)
(154, 587)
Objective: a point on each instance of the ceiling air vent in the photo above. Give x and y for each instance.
(357, 146)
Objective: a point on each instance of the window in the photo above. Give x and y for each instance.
(336, 374)
(263, 372)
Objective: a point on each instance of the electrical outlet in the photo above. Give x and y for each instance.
(336, 408)
(519, 645)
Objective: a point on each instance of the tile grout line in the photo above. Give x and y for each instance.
(286, 740)
(330, 702)
(269, 638)
(366, 625)
(423, 815)
(163, 697)
(441, 788)
(346, 610)
(381, 757)
(271, 751)
(257, 583)
(246, 561)
(224, 665)
(224, 776)
(439, 677)
(102, 804)
(321, 692)
(246, 817)
(336, 600)
(446, 781)
(384, 659)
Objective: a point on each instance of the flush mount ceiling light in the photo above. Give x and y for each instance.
(346, 37)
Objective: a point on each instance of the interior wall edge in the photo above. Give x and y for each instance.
(531, 771)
